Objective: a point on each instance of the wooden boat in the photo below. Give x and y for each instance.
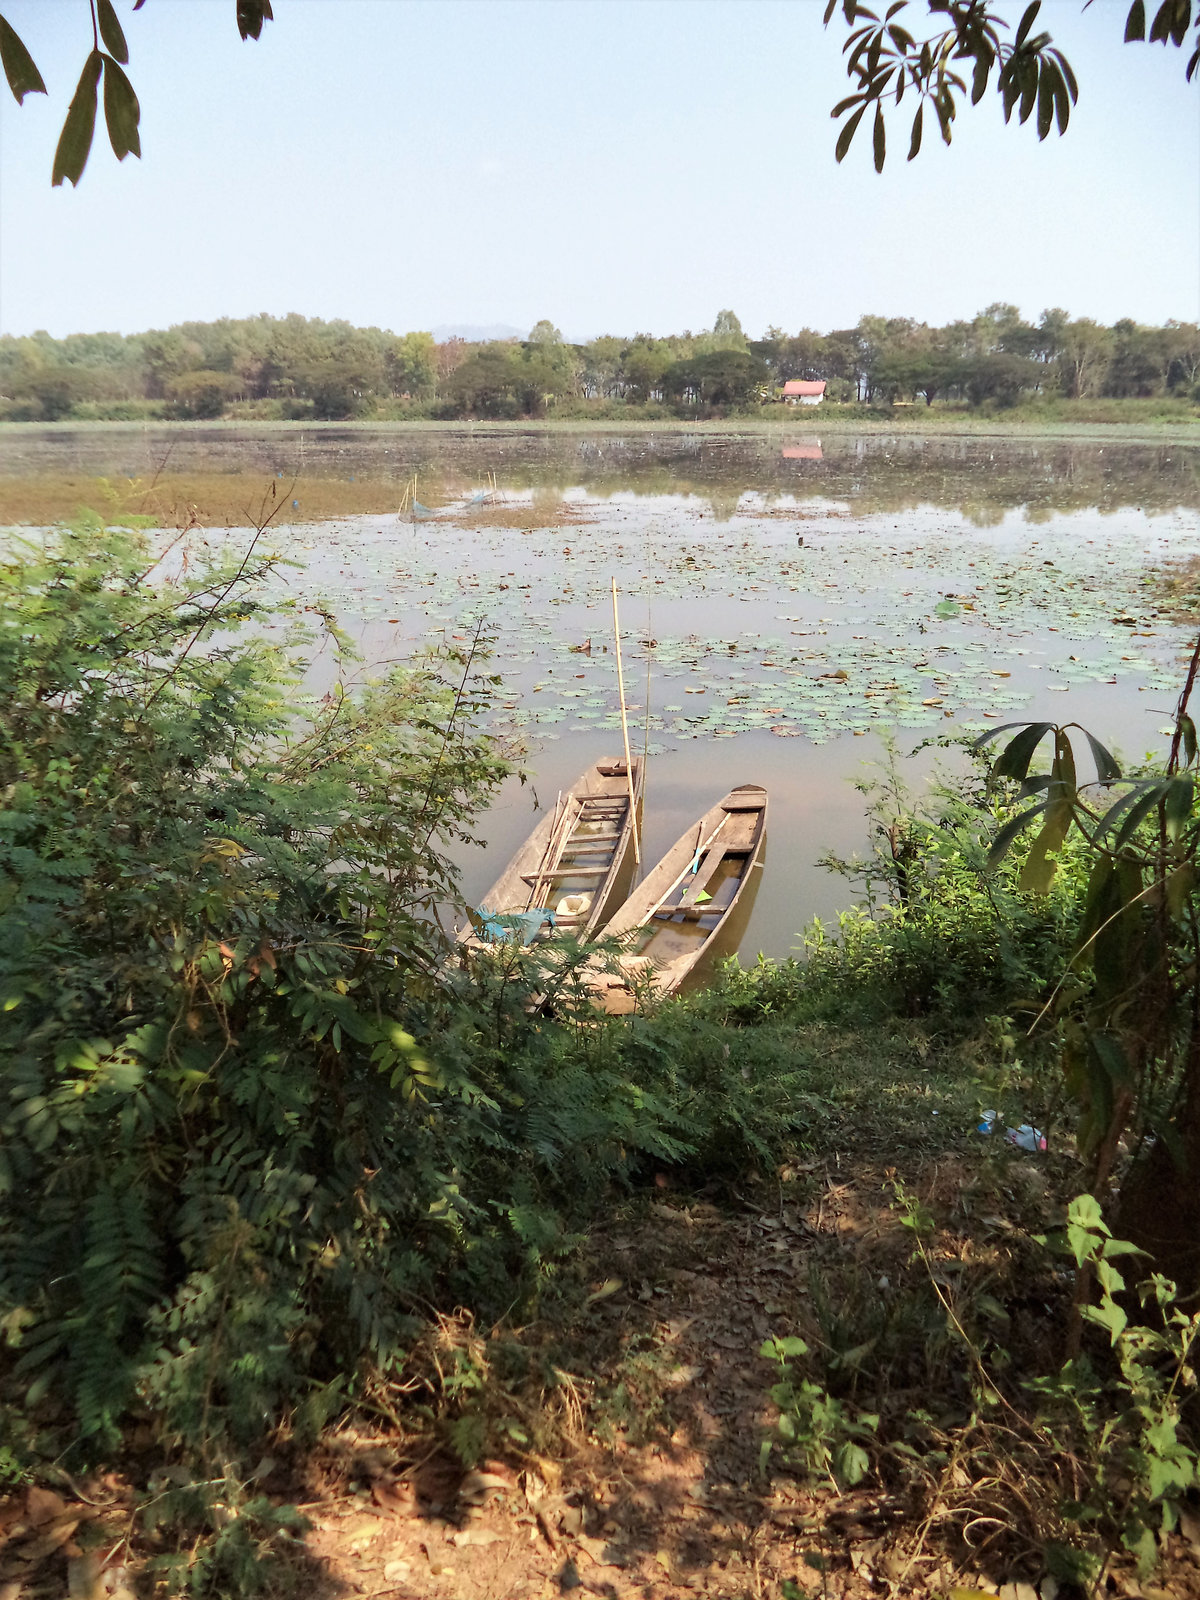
(677, 914)
(574, 867)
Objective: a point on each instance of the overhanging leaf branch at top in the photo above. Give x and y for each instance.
(122, 112)
(885, 59)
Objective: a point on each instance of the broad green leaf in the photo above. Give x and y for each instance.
(1115, 921)
(1063, 769)
(1002, 843)
(1045, 113)
(850, 1464)
(1110, 1053)
(1108, 1276)
(1188, 729)
(979, 80)
(1086, 1212)
(783, 1349)
(110, 32)
(1068, 75)
(1029, 89)
(1086, 1228)
(1135, 22)
(1062, 102)
(75, 141)
(1163, 1474)
(994, 733)
(1108, 1315)
(1038, 872)
(1121, 1247)
(1107, 769)
(23, 76)
(1014, 759)
(1138, 813)
(1177, 806)
(121, 111)
(1171, 22)
(1121, 806)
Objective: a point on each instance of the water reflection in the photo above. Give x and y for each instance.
(981, 477)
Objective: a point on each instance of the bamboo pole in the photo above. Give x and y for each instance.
(553, 852)
(637, 848)
(646, 736)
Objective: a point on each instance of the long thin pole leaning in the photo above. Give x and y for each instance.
(637, 846)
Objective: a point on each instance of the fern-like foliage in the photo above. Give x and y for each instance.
(253, 1122)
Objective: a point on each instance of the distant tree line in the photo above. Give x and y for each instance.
(298, 367)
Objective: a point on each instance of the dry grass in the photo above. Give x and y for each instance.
(205, 500)
(234, 500)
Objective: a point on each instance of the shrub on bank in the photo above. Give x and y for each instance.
(251, 1123)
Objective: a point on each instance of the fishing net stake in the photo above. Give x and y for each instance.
(637, 848)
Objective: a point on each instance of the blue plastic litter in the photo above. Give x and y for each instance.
(1026, 1137)
(497, 926)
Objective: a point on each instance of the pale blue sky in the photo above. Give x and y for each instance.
(614, 166)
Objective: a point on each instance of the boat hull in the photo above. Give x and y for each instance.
(575, 866)
(689, 908)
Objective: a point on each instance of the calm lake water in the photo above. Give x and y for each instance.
(789, 602)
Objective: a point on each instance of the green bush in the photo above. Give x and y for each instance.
(255, 1123)
(219, 1177)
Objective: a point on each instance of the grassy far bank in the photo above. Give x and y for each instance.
(1052, 415)
(319, 1258)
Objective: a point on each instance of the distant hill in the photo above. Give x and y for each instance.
(475, 333)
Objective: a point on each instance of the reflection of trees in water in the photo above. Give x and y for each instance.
(880, 473)
(723, 505)
(982, 513)
(547, 500)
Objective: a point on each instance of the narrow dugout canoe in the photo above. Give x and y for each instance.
(676, 915)
(574, 867)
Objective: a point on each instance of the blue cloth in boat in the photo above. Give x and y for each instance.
(497, 926)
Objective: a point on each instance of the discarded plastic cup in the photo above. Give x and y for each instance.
(987, 1123)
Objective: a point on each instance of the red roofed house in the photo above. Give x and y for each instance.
(799, 392)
